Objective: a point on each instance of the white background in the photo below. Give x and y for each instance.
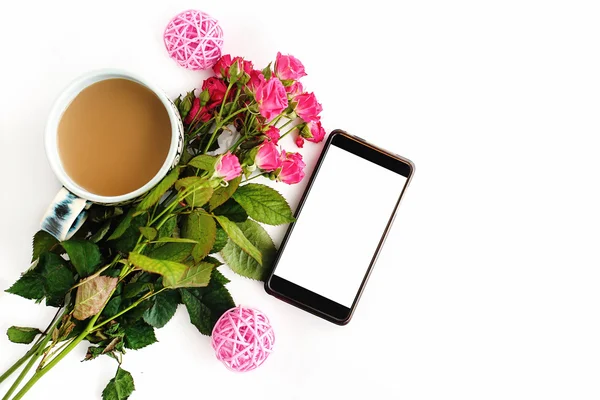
(488, 287)
(334, 215)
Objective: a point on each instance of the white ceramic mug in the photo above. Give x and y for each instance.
(68, 210)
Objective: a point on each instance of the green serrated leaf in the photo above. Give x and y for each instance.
(170, 270)
(236, 235)
(218, 277)
(264, 204)
(120, 387)
(199, 313)
(100, 233)
(204, 162)
(92, 295)
(112, 307)
(84, 255)
(168, 227)
(128, 240)
(134, 289)
(18, 334)
(220, 241)
(200, 227)
(29, 286)
(190, 182)
(194, 276)
(159, 190)
(148, 232)
(58, 278)
(212, 260)
(172, 252)
(232, 210)
(139, 335)
(218, 300)
(123, 225)
(244, 265)
(163, 308)
(42, 243)
(222, 194)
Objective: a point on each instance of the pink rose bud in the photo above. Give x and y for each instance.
(256, 79)
(273, 134)
(294, 89)
(308, 108)
(268, 157)
(271, 98)
(221, 68)
(228, 167)
(317, 133)
(300, 141)
(292, 168)
(288, 67)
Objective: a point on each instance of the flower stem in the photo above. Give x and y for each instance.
(20, 362)
(256, 176)
(285, 134)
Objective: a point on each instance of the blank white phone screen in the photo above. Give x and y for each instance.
(338, 230)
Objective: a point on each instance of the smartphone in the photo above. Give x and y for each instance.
(342, 221)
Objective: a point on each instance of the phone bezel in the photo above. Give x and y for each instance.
(314, 302)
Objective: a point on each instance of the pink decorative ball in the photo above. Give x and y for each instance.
(194, 39)
(243, 338)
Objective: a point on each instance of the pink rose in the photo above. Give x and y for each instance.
(308, 108)
(197, 112)
(228, 167)
(273, 134)
(292, 168)
(294, 89)
(221, 68)
(216, 89)
(268, 157)
(300, 141)
(316, 131)
(271, 98)
(256, 79)
(288, 67)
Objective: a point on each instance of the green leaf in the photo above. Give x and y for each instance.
(84, 255)
(244, 265)
(120, 387)
(220, 241)
(218, 300)
(174, 274)
(222, 194)
(200, 227)
(128, 240)
(148, 232)
(58, 278)
(159, 190)
(190, 182)
(100, 233)
(18, 334)
(203, 161)
(112, 307)
(42, 243)
(139, 335)
(194, 276)
(170, 270)
(232, 210)
(123, 225)
(200, 315)
(29, 286)
(168, 227)
(175, 240)
(92, 295)
(236, 235)
(163, 308)
(212, 260)
(134, 289)
(218, 277)
(100, 213)
(264, 204)
(172, 252)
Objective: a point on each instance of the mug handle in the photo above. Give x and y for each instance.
(65, 215)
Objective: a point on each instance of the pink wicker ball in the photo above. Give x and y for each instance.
(243, 338)
(194, 39)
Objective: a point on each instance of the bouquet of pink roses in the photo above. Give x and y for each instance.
(129, 267)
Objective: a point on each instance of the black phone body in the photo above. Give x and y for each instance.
(327, 277)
